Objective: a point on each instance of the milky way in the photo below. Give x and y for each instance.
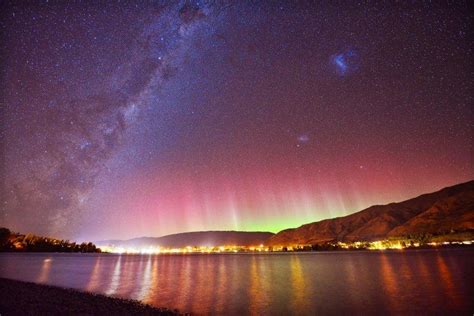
(130, 119)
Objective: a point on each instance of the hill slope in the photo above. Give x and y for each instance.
(206, 238)
(450, 209)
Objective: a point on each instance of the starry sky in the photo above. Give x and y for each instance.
(126, 119)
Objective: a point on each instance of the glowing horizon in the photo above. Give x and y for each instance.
(126, 120)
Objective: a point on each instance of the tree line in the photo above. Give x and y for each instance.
(16, 242)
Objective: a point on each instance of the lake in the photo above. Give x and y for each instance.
(414, 281)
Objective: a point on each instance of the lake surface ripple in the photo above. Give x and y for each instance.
(419, 281)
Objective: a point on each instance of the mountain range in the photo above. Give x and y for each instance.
(445, 212)
(198, 239)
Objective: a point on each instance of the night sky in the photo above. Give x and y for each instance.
(131, 119)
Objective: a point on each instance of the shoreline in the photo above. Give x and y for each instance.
(26, 298)
(348, 250)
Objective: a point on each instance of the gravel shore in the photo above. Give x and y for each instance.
(23, 298)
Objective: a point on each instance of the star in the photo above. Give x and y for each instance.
(303, 138)
(177, 116)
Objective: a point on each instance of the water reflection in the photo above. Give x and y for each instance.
(298, 285)
(258, 287)
(184, 294)
(45, 269)
(146, 281)
(221, 286)
(152, 289)
(389, 280)
(446, 280)
(94, 280)
(425, 272)
(351, 279)
(204, 278)
(115, 281)
(321, 283)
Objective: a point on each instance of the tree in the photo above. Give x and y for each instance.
(5, 234)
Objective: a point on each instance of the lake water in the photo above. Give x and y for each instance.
(423, 281)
